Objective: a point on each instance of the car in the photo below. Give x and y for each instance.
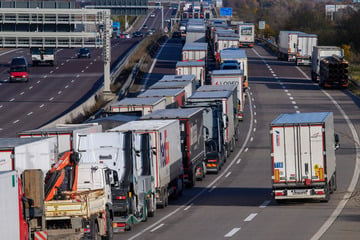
(149, 33)
(84, 53)
(19, 70)
(125, 35)
(152, 15)
(145, 26)
(176, 34)
(137, 34)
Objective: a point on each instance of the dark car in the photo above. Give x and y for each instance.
(176, 34)
(84, 53)
(137, 34)
(19, 70)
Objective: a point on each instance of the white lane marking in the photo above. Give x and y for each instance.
(250, 217)
(72, 81)
(272, 71)
(291, 98)
(286, 90)
(153, 230)
(1, 106)
(57, 68)
(251, 139)
(296, 107)
(208, 186)
(297, 111)
(232, 232)
(255, 121)
(265, 204)
(238, 161)
(30, 87)
(355, 178)
(228, 174)
(253, 99)
(212, 189)
(66, 86)
(246, 149)
(11, 100)
(188, 207)
(62, 64)
(51, 71)
(91, 63)
(283, 87)
(254, 113)
(77, 75)
(289, 94)
(274, 75)
(281, 83)
(22, 93)
(254, 130)
(293, 102)
(52, 98)
(82, 71)
(30, 113)
(152, 66)
(16, 121)
(59, 92)
(1, 129)
(4, 53)
(87, 67)
(38, 82)
(45, 76)
(42, 105)
(67, 60)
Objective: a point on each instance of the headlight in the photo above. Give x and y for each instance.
(24, 76)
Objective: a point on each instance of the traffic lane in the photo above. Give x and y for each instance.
(323, 211)
(181, 212)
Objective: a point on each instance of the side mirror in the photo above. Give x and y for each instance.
(337, 140)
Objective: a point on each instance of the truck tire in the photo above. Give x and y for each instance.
(327, 193)
(152, 205)
(94, 230)
(109, 227)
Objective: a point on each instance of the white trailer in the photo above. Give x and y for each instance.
(174, 97)
(226, 98)
(194, 52)
(246, 34)
(28, 153)
(305, 45)
(194, 68)
(66, 134)
(195, 33)
(240, 56)
(166, 154)
(142, 106)
(223, 41)
(319, 53)
(288, 41)
(188, 86)
(231, 77)
(303, 156)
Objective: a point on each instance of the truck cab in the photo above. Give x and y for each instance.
(42, 55)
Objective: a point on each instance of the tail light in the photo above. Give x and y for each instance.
(212, 160)
(279, 194)
(120, 197)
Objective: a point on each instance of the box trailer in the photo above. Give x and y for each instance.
(226, 98)
(166, 154)
(28, 153)
(174, 97)
(303, 156)
(188, 85)
(246, 34)
(240, 56)
(195, 33)
(139, 106)
(65, 134)
(319, 53)
(288, 41)
(223, 41)
(196, 68)
(305, 45)
(112, 120)
(192, 139)
(194, 52)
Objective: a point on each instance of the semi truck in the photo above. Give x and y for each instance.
(66, 134)
(288, 41)
(238, 55)
(194, 52)
(226, 98)
(305, 44)
(223, 41)
(188, 86)
(129, 155)
(138, 106)
(334, 72)
(166, 154)
(174, 97)
(192, 140)
(27, 153)
(246, 34)
(319, 53)
(195, 68)
(303, 156)
(42, 55)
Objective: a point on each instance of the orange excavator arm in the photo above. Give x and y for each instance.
(56, 175)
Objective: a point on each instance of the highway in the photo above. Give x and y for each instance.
(237, 203)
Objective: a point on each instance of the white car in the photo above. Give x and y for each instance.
(152, 15)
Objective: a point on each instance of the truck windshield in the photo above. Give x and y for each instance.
(18, 69)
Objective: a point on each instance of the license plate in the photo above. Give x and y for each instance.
(300, 191)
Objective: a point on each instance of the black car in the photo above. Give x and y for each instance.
(137, 34)
(84, 53)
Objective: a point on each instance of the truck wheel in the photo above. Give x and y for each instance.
(94, 230)
(327, 194)
(109, 227)
(151, 212)
(180, 187)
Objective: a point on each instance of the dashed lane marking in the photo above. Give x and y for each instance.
(232, 232)
(250, 217)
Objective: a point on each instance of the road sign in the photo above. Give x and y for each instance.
(226, 12)
(261, 25)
